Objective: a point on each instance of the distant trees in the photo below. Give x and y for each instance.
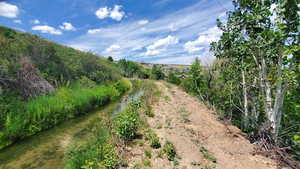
(110, 59)
(132, 69)
(157, 73)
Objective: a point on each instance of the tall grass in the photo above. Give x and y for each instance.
(44, 112)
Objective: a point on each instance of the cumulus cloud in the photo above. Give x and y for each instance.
(112, 48)
(35, 21)
(204, 40)
(93, 31)
(67, 26)
(143, 22)
(160, 45)
(114, 13)
(8, 10)
(102, 13)
(17, 21)
(47, 29)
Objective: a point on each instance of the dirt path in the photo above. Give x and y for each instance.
(200, 139)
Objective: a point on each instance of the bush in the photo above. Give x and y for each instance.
(170, 150)
(127, 124)
(96, 153)
(172, 78)
(123, 85)
(153, 139)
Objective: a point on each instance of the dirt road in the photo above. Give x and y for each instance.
(201, 140)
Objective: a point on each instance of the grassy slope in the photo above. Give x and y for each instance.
(56, 63)
(79, 78)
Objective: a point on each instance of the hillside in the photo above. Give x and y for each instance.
(56, 63)
(43, 83)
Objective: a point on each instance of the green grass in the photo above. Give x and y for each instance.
(98, 152)
(153, 139)
(44, 112)
(207, 155)
(170, 150)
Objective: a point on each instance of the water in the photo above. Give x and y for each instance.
(46, 150)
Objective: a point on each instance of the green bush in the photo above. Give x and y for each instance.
(127, 124)
(123, 85)
(170, 150)
(172, 78)
(153, 139)
(96, 153)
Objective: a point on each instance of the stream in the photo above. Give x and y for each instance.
(46, 150)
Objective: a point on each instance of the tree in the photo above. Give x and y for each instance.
(157, 73)
(257, 46)
(110, 59)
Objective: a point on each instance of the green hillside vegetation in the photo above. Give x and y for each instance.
(78, 82)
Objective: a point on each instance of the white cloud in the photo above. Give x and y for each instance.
(112, 48)
(47, 29)
(135, 38)
(17, 21)
(102, 13)
(67, 26)
(143, 22)
(203, 41)
(93, 31)
(35, 21)
(114, 13)
(8, 10)
(160, 45)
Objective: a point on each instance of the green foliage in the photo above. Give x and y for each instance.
(157, 73)
(123, 85)
(58, 64)
(132, 69)
(86, 82)
(173, 78)
(26, 119)
(207, 155)
(148, 154)
(127, 122)
(96, 153)
(149, 112)
(170, 150)
(153, 139)
(110, 59)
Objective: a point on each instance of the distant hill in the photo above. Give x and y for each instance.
(168, 67)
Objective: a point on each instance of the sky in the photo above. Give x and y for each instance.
(156, 31)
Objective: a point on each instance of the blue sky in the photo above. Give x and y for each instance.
(158, 31)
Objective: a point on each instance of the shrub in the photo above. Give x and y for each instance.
(148, 154)
(170, 150)
(127, 124)
(153, 139)
(92, 155)
(172, 78)
(123, 85)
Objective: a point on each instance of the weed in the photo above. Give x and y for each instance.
(147, 163)
(148, 154)
(207, 155)
(194, 163)
(170, 150)
(153, 139)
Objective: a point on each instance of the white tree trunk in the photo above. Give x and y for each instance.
(246, 113)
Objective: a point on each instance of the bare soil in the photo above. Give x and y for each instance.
(201, 140)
